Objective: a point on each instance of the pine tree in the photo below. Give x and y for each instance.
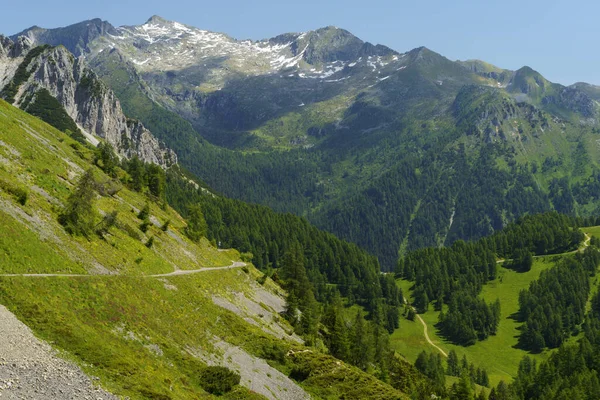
(362, 346)
(485, 380)
(463, 390)
(156, 180)
(337, 340)
(421, 362)
(196, 228)
(453, 364)
(464, 365)
(79, 216)
(105, 158)
(136, 171)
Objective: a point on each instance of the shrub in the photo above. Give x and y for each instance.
(18, 193)
(144, 212)
(107, 222)
(218, 380)
(144, 226)
(300, 372)
(150, 242)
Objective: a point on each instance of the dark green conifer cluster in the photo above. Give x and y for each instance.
(554, 305)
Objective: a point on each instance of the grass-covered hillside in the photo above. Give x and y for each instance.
(509, 281)
(135, 302)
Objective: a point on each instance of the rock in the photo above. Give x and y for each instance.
(85, 98)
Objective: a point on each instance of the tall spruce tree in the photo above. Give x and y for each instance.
(79, 215)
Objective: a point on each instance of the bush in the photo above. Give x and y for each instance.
(150, 242)
(300, 373)
(144, 226)
(107, 222)
(144, 212)
(18, 193)
(218, 380)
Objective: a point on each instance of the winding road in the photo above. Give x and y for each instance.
(234, 264)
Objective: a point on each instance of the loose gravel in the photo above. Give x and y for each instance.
(31, 368)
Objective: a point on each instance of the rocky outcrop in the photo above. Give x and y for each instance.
(86, 99)
(574, 100)
(76, 38)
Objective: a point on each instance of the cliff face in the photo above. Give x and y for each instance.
(88, 101)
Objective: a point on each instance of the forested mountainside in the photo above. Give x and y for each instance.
(97, 263)
(393, 151)
(319, 320)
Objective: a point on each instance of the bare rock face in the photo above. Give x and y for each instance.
(86, 99)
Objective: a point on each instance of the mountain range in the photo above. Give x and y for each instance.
(393, 151)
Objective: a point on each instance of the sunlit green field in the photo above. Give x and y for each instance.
(497, 354)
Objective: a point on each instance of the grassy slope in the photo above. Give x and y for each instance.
(497, 354)
(136, 333)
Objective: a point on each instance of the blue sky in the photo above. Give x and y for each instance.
(557, 38)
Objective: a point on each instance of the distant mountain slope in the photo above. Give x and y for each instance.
(391, 150)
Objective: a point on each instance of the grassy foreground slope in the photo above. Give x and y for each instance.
(143, 336)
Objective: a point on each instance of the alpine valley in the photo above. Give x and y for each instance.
(187, 215)
(393, 151)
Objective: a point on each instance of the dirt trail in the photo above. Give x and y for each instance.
(427, 336)
(584, 245)
(234, 264)
(425, 330)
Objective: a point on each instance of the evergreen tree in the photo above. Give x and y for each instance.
(453, 364)
(135, 168)
(337, 340)
(421, 362)
(106, 158)
(79, 215)
(156, 180)
(463, 390)
(361, 344)
(196, 225)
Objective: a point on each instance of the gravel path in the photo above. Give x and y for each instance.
(234, 264)
(31, 369)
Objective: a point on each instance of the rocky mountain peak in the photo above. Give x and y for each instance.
(157, 19)
(331, 44)
(76, 38)
(78, 93)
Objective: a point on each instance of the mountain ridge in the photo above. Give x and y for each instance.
(92, 106)
(323, 138)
